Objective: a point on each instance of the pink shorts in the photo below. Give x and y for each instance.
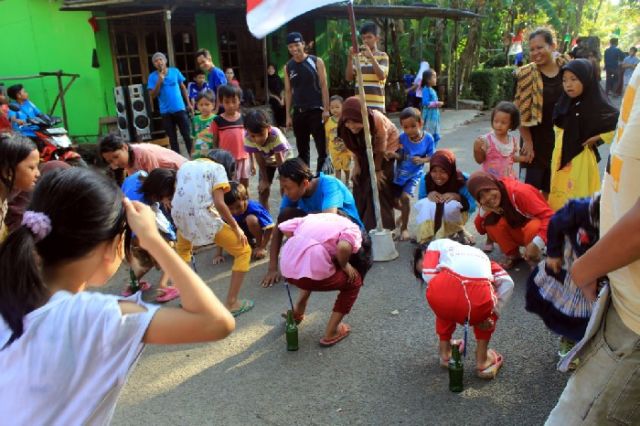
(243, 169)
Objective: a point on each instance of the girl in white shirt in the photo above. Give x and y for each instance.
(64, 352)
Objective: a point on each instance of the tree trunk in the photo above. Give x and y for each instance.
(469, 57)
(439, 42)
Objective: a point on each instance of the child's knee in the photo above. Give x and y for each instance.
(242, 259)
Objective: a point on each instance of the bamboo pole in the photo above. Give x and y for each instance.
(167, 29)
(365, 120)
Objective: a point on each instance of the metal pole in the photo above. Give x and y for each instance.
(365, 121)
(265, 61)
(62, 104)
(167, 30)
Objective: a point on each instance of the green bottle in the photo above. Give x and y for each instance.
(134, 286)
(456, 370)
(291, 332)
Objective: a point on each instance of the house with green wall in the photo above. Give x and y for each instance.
(110, 43)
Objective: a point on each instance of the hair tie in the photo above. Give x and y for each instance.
(38, 223)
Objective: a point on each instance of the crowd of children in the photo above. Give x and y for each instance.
(82, 224)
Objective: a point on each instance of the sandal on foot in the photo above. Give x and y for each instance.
(245, 306)
(343, 331)
(444, 363)
(167, 294)
(490, 372)
(296, 317)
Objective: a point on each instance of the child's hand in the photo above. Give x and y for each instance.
(351, 272)
(590, 291)
(390, 156)
(419, 160)
(554, 263)
(440, 104)
(242, 239)
(142, 221)
(259, 253)
(218, 259)
(435, 197)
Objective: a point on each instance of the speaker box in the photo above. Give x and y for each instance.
(121, 94)
(140, 112)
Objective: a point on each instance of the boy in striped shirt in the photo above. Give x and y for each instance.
(374, 65)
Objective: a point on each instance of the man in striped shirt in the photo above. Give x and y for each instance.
(374, 65)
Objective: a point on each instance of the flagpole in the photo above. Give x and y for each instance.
(365, 120)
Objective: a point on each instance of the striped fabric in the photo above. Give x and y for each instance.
(374, 87)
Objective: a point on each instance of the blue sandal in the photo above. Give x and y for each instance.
(245, 306)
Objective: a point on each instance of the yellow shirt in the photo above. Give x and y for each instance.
(620, 191)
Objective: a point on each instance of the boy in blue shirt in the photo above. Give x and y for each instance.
(417, 147)
(27, 108)
(256, 221)
(167, 84)
(197, 86)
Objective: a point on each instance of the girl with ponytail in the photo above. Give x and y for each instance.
(68, 351)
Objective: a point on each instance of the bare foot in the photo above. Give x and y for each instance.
(259, 253)
(404, 236)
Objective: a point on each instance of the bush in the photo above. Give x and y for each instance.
(496, 61)
(492, 85)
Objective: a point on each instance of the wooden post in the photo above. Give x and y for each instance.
(167, 29)
(365, 121)
(62, 104)
(456, 79)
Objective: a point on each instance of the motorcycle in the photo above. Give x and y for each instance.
(52, 141)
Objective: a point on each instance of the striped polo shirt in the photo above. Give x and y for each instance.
(374, 87)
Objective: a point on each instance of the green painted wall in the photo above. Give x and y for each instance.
(207, 33)
(38, 37)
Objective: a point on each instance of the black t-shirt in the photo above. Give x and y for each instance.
(542, 135)
(305, 83)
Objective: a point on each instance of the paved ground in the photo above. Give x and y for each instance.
(386, 372)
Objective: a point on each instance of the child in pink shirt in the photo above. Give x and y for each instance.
(316, 258)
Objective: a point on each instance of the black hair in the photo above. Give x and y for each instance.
(229, 91)
(512, 110)
(14, 148)
(159, 184)
(614, 41)
(225, 159)
(85, 209)
(296, 170)
(199, 72)
(208, 95)
(237, 193)
(418, 254)
(113, 142)
(369, 28)
(203, 52)
(13, 91)
(255, 121)
(635, 49)
(545, 33)
(411, 112)
(426, 76)
(336, 98)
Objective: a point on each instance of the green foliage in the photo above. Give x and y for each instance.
(492, 85)
(496, 61)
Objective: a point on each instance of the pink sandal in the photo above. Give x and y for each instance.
(343, 331)
(167, 294)
(491, 371)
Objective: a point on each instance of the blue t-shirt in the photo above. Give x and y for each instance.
(330, 193)
(405, 168)
(194, 90)
(255, 208)
(132, 186)
(27, 110)
(170, 95)
(216, 78)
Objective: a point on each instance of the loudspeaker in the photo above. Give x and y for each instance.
(141, 118)
(120, 94)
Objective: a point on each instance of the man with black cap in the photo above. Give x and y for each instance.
(167, 84)
(306, 99)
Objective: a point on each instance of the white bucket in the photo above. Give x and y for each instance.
(383, 248)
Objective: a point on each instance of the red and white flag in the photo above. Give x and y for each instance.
(265, 16)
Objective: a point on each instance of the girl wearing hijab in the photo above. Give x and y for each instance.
(445, 202)
(584, 119)
(417, 84)
(516, 216)
(385, 141)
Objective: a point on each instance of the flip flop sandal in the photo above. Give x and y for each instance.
(144, 286)
(343, 331)
(491, 371)
(245, 306)
(168, 294)
(296, 317)
(445, 363)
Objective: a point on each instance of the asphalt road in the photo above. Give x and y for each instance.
(385, 372)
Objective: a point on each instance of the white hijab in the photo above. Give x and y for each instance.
(424, 66)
